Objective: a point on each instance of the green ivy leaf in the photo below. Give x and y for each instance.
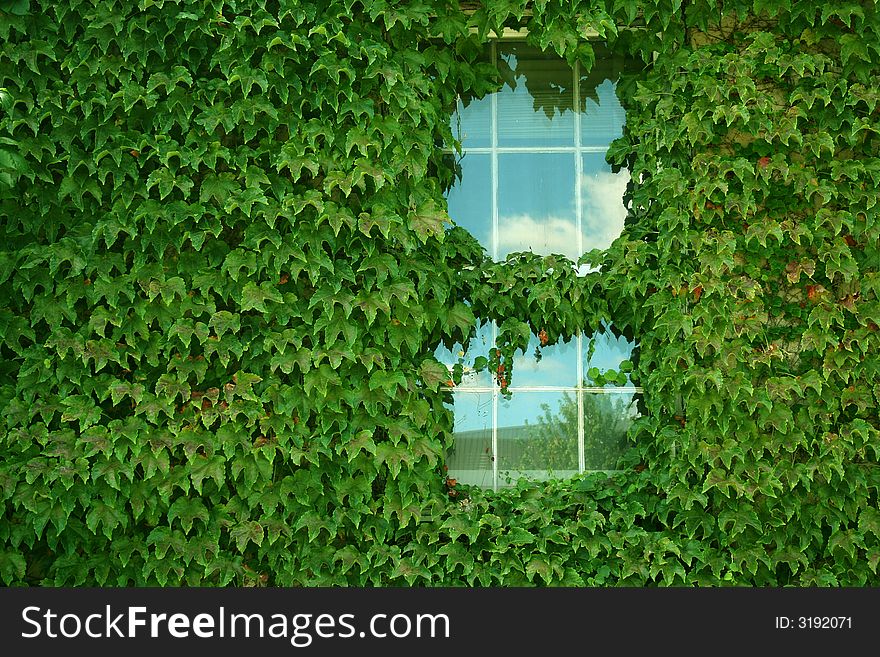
(253, 297)
(247, 532)
(428, 222)
(434, 374)
(187, 511)
(107, 516)
(203, 467)
(12, 567)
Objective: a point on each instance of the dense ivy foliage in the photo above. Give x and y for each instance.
(225, 264)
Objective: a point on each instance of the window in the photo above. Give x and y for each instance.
(534, 177)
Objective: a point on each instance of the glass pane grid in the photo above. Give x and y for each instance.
(586, 432)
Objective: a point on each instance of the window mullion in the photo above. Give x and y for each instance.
(579, 210)
(495, 254)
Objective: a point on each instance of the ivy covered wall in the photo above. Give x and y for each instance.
(225, 264)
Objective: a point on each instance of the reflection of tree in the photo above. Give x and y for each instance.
(551, 444)
(551, 87)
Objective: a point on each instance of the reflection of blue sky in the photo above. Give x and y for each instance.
(557, 367)
(472, 125)
(608, 352)
(470, 199)
(536, 203)
(479, 346)
(552, 228)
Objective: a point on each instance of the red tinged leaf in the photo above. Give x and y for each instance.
(697, 292)
(814, 292)
(284, 278)
(134, 153)
(542, 336)
(849, 301)
(764, 162)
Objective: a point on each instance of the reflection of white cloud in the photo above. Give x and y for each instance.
(544, 236)
(603, 209)
(529, 372)
(602, 221)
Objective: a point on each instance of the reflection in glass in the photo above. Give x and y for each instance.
(534, 178)
(470, 459)
(605, 351)
(607, 417)
(479, 346)
(603, 116)
(537, 436)
(557, 365)
(470, 199)
(602, 206)
(535, 106)
(472, 124)
(536, 204)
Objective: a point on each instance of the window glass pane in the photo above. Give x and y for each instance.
(537, 436)
(601, 202)
(602, 117)
(536, 204)
(470, 458)
(554, 365)
(607, 416)
(535, 106)
(471, 124)
(605, 351)
(470, 199)
(479, 346)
